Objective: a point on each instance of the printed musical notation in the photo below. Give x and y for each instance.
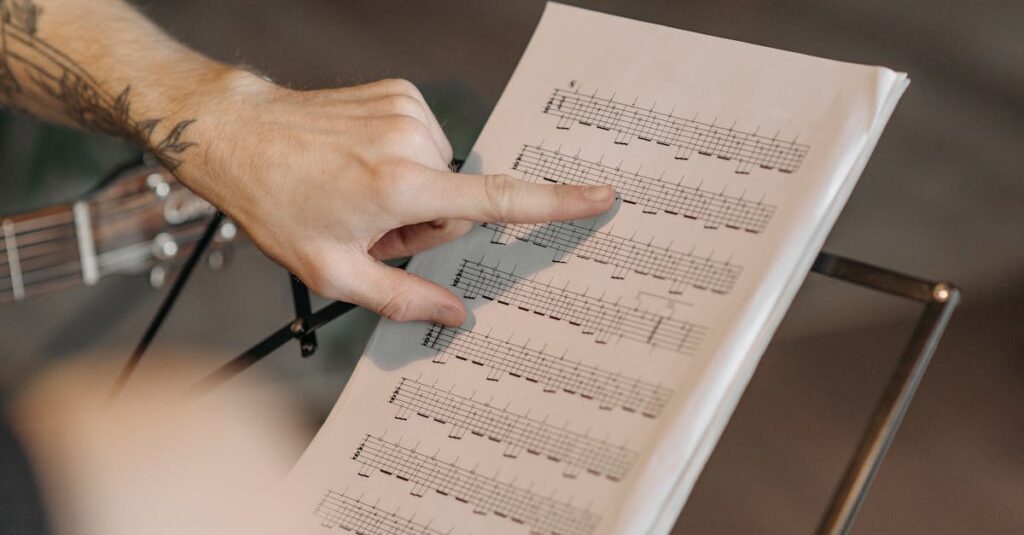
(577, 451)
(713, 209)
(552, 373)
(628, 121)
(351, 514)
(603, 319)
(624, 255)
(486, 494)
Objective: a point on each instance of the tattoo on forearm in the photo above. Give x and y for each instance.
(85, 101)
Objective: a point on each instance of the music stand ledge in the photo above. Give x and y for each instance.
(939, 300)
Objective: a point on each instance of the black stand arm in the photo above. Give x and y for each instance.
(300, 296)
(280, 337)
(165, 306)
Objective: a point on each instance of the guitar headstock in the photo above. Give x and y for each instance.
(142, 219)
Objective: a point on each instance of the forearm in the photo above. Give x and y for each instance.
(100, 65)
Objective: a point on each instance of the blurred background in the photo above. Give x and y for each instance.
(942, 198)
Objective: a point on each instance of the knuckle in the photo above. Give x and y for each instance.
(454, 228)
(405, 129)
(400, 86)
(499, 192)
(319, 277)
(395, 309)
(402, 104)
(396, 306)
(390, 189)
(395, 170)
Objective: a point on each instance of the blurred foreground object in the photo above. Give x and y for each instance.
(156, 462)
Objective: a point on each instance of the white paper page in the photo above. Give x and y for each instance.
(602, 357)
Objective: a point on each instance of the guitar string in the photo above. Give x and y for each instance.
(45, 256)
(31, 255)
(105, 261)
(38, 262)
(65, 232)
(30, 225)
(53, 244)
(73, 278)
(27, 235)
(180, 231)
(67, 218)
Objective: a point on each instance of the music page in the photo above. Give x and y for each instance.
(602, 357)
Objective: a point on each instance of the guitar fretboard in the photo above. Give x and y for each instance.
(625, 255)
(687, 136)
(715, 210)
(486, 494)
(603, 319)
(576, 451)
(552, 373)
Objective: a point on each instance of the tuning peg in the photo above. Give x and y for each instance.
(221, 251)
(215, 260)
(164, 247)
(158, 183)
(157, 276)
(227, 232)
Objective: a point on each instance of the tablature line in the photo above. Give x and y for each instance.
(624, 255)
(715, 210)
(351, 514)
(552, 373)
(603, 319)
(628, 121)
(577, 451)
(486, 494)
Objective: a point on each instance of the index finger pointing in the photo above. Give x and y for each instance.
(506, 199)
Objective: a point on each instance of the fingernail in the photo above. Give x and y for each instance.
(450, 315)
(598, 193)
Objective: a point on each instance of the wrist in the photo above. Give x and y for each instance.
(207, 156)
(170, 115)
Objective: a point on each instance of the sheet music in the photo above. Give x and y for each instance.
(602, 357)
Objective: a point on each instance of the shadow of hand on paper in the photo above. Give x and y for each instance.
(488, 247)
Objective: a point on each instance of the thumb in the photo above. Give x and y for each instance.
(402, 296)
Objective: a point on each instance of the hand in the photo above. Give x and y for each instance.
(329, 183)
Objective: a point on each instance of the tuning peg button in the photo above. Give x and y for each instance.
(227, 232)
(164, 247)
(158, 183)
(157, 277)
(215, 260)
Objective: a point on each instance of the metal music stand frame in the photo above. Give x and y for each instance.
(938, 299)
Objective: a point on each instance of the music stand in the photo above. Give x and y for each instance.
(938, 299)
